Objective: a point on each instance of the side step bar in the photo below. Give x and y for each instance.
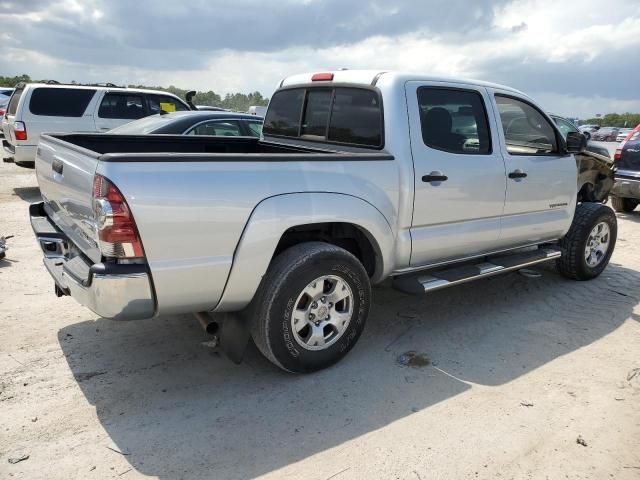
(435, 280)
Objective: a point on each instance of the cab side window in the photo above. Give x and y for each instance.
(454, 120)
(526, 130)
(565, 127)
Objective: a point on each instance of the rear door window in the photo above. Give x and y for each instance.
(60, 102)
(164, 102)
(13, 102)
(120, 105)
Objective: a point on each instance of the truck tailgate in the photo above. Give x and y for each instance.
(65, 175)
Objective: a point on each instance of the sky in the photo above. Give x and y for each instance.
(577, 58)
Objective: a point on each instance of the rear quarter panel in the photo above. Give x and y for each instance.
(191, 215)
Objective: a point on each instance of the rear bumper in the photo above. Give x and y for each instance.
(23, 155)
(626, 187)
(122, 292)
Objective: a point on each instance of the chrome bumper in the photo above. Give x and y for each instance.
(121, 292)
(23, 155)
(626, 186)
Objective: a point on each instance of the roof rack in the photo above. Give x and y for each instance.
(102, 84)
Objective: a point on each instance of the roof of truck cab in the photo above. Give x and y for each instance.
(368, 77)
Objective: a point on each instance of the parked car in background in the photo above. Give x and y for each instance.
(623, 133)
(4, 101)
(226, 124)
(587, 130)
(359, 177)
(35, 108)
(605, 134)
(257, 110)
(625, 195)
(6, 91)
(595, 165)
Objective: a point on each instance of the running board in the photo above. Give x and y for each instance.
(435, 280)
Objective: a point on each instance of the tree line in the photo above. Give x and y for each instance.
(239, 102)
(614, 120)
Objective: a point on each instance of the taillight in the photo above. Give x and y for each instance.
(322, 77)
(20, 130)
(117, 231)
(2, 112)
(618, 155)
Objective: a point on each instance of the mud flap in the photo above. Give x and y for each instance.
(230, 331)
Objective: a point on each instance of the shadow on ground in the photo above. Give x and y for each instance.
(177, 406)
(28, 194)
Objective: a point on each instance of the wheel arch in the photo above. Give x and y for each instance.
(289, 219)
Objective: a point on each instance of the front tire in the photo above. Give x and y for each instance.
(311, 307)
(626, 205)
(587, 247)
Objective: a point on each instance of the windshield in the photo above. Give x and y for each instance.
(143, 126)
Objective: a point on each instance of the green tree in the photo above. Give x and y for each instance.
(13, 81)
(627, 119)
(239, 102)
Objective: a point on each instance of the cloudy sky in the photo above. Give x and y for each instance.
(576, 57)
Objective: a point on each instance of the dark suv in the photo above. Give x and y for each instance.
(625, 195)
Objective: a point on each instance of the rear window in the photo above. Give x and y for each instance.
(60, 102)
(13, 103)
(343, 115)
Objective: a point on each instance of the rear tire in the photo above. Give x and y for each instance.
(589, 243)
(311, 307)
(626, 205)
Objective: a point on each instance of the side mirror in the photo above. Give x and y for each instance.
(576, 142)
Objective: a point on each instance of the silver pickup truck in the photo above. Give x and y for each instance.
(360, 176)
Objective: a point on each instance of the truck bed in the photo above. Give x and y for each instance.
(115, 148)
(192, 197)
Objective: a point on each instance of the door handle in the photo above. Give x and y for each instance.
(435, 177)
(57, 165)
(517, 174)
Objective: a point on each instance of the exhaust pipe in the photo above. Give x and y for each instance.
(209, 324)
(229, 331)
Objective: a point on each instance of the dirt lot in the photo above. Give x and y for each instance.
(521, 368)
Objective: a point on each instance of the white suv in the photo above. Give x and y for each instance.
(35, 108)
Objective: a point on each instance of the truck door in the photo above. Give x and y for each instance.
(541, 178)
(459, 172)
(118, 108)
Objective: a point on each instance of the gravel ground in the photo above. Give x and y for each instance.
(525, 378)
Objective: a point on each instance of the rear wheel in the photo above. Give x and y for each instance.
(311, 307)
(620, 204)
(587, 247)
